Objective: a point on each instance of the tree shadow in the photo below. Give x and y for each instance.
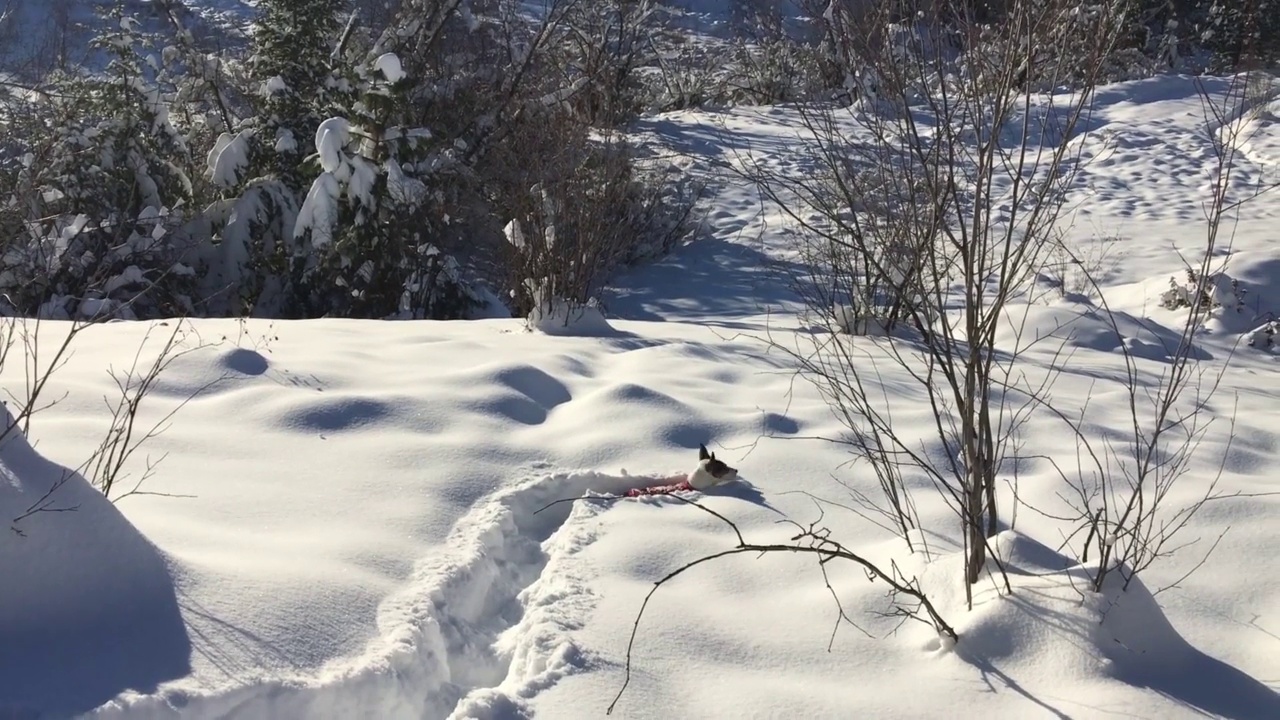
(709, 279)
(1164, 88)
(990, 673)
(711, 140)
(1145, 338)
(1211, 686)
(1150, 653)
(226, 646)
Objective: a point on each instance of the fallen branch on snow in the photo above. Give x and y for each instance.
(810, 540)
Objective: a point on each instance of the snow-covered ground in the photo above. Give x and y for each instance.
(350, 523)
(41, 31)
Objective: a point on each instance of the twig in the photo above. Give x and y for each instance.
(811, 540)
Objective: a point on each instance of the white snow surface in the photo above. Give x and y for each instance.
(355, 524)
(389, 65)
(229, 157)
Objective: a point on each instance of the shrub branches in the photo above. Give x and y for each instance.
(907, 599)
(927, 221)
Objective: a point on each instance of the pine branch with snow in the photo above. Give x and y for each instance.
(371, 253)
(105, 183)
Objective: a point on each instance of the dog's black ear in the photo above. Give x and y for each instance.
(702, 453)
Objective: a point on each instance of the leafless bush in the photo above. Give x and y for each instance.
(1074, 269)
(45, 348)
(690, 75)
(126, 435)
(602, 46)
(596, 210)
(40, 363)
(930, 210)
(1260, 91)
(1120, 493)
(779, 71)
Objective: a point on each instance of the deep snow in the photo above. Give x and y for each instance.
(362, 537)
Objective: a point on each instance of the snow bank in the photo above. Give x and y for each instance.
(560, 317)
(88, 603)
(1053, 629)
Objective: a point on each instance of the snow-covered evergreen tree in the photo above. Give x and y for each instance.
(367, 215)
(103, 172)
(1242, 32)
(1194, 35)
(260, 164)
(295, 44)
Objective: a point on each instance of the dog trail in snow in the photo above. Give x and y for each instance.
(504, 618)
(476, 631)
(541, 590)
(492, 619)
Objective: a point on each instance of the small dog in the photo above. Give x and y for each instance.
(710, 471)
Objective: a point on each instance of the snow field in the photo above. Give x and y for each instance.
(363, 541)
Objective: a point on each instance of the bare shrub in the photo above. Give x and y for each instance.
(778, 71)
(602, 46)
(1120, 495)
(1074, 268)
(932, 208)
(690, 76)
(594, 210)
(107, 467)
(45, 347)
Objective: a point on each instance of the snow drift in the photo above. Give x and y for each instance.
(88, 603)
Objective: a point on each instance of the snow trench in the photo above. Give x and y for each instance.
(478, 629)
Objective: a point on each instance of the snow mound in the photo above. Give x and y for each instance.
(1081, 327)
(1145, 650)
(559, 317)
(1254, 295)
(97, 613)
(1053, 630)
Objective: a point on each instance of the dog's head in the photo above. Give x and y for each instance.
(717, 469)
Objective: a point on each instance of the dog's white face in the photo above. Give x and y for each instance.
(710, 471)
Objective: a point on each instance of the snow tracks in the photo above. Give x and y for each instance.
(516, 639)
(477, 630)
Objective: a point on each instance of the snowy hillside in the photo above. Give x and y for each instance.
(351, 517)
(43, 30)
